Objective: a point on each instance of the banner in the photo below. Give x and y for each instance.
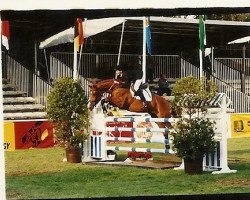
(9, 136)
(27, 134)
(240, 125)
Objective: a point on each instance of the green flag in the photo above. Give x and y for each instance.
(202, 32)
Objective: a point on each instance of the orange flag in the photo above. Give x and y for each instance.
(79, 37)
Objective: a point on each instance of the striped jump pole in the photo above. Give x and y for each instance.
(137, 129)
(145, 150)
(139, 140)
(140, 119)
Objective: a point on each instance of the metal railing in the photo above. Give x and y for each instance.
(226, 78)
(26, 81)
(188, 69)
(102, 65)
(41, 90)
(59, 69)
(240, 101)
(229, 70)
(18, 75)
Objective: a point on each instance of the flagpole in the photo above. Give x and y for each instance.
(75, 53)
(75, 64)
(144, 51)
(2, 160)
(80, 56)
(201, 63)
(202, 41)
(120, 47)
(212, 61)
(79, 62)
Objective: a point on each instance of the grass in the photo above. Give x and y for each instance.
(40, 173)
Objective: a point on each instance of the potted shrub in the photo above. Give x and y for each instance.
(194, 133)
(67, 110)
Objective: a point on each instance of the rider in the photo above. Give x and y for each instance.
(134, 78)
(118, 72)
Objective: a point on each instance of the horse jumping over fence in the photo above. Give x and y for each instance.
(122, 98)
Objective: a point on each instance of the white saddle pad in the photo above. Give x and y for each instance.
(146, 93)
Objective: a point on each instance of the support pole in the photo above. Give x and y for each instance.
(243, 71)
(35, 59)
(212, 62)
(120, 47)
(144, 51)
(201, 63)
(79, 62)
(75, 64)
(2, 161)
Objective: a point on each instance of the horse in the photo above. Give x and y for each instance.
(122, 98)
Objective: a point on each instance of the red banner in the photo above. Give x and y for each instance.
(36, 134)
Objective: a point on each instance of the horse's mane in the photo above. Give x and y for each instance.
(106, 84)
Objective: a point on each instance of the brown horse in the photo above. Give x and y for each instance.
(122, 98)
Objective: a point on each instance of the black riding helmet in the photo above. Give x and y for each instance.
(118, 67)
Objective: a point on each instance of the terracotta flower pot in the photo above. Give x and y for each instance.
(193, 166)
(74, 155)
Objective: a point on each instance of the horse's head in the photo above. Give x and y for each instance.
(97, 90)
(94, 96)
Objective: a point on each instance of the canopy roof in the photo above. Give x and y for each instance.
(159, 26)
(240, 40)
(91, 27)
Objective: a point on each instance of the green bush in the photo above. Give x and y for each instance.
(194, 134)
(192, 95)
(67, 110)
(194, 138)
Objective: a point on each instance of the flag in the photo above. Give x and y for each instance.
(5, 34)
(148, 36)
(202, 32)
(79, 37)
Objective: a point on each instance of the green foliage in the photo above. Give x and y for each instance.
(67, 110)
(194, 134)
(192, 95)
(230, 17)
(194, 138)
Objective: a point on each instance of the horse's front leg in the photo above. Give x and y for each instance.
(106, 104)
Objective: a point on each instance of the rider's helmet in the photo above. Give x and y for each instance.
(118, 68)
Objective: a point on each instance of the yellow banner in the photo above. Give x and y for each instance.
(240, 125)
(9, 136)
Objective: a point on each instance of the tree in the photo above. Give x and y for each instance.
(230, 17)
